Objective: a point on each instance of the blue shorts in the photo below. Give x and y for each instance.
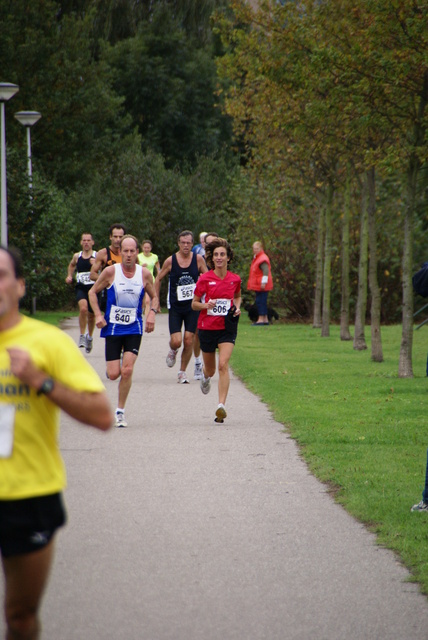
(29, 524)
(176, 317)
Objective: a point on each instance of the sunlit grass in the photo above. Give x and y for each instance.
(52, 317)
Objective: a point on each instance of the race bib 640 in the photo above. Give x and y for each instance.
(122, 315)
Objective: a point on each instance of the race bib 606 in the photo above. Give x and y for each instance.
(221, 308)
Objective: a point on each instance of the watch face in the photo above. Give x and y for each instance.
(46, 387)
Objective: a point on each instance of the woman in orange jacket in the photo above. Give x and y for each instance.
(260, 281)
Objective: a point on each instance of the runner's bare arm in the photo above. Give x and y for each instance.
(105, 280)
(237, 303)
(197, 305)
(154, 301)
(71, 268)
(99, 262)
(90, 408)
(202, 265)
(166, 268)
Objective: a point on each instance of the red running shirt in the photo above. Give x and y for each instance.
(210, 286)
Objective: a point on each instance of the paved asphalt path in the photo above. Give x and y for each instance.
(182, 529)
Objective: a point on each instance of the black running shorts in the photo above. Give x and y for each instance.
(29, 524)
(211, 338)
(176, 317)
(82, 293)
(129, 342)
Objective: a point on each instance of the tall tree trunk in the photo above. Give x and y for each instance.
(377, 355)
(405, 366)
(360, 310)
(316, 324)
(325, 324)
(344, 310)
(405, 369)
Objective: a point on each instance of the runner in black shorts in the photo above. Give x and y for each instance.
(81, 264)
(41, 372)
(126, 284)
(218, 299)
(183, 269)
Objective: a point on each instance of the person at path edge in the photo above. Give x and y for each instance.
(218, 299)
(423, 504)
(260, 281)
(41, 372)
(122, 324)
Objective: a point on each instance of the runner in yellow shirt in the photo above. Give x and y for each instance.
(41, 372)
(151, 261)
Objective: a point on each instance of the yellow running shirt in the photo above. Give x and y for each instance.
(148, 261)
(30, 461)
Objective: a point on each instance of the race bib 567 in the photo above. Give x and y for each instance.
(185, 292)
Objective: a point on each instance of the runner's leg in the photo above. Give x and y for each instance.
(224, 352)
(125, 381)
(209, 364)
(187, 351)
(26, 577)
(83, 315)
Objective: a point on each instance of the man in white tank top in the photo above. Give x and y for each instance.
(122, 323)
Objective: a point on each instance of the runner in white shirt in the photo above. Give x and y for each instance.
(122, 323)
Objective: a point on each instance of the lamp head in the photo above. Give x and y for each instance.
(28, 118)
(7, 91)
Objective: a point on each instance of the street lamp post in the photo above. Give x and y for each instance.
(7, 91)
(27, 119)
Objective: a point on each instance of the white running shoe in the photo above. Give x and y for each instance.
(205, 384)
(220, 414)
(170, 359)
(82, 341)
(182, 378)
(421, 506)
(120, 419)
(89, 343)
(198, 375)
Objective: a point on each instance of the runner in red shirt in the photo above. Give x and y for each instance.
(218, 299)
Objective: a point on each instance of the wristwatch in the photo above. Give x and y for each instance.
(154, 310)
(46, 387)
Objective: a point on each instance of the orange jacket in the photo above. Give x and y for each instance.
(256, 274)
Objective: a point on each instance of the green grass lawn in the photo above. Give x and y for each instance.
(52, 317)
(361, 429)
